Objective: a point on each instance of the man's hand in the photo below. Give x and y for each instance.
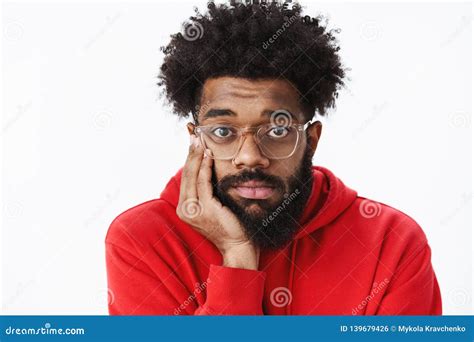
(198, 207)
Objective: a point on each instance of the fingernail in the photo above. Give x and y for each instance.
(208, 152)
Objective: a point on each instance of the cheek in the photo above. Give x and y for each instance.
(222, 168)
(286, 168)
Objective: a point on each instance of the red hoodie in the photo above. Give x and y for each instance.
(352, 256)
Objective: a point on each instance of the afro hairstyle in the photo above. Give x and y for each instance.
(254, 41)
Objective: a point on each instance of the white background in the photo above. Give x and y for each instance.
(86, 136)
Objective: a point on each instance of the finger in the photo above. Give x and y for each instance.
(191, 170)
(204, 185)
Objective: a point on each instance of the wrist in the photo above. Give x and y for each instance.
(243, 256)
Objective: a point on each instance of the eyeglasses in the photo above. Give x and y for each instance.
(275, 140)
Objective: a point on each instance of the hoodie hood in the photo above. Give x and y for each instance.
(329, 198)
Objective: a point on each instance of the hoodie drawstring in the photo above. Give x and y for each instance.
(292, 274)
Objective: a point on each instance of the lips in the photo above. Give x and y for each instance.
(254, 190)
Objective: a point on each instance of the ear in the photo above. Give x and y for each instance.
(190, 127)
(314, 133)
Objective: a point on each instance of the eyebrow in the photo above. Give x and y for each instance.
(212, 113)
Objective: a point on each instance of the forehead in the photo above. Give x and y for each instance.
(250, 97)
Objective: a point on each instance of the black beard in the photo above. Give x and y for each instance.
(274, 225)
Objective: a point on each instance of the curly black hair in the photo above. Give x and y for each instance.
(253, 41)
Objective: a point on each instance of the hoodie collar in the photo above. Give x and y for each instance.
(329, 198)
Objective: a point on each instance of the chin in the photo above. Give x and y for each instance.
(255, 210)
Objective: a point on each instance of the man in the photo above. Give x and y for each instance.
(248, 226)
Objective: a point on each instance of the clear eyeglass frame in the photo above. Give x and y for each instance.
(200, 131)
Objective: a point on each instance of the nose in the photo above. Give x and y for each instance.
(249, 155)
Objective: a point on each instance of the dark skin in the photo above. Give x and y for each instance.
(243, 103)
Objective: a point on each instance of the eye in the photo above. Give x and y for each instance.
(223, 132)
(278, 132)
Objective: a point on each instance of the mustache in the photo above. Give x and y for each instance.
(230, 181)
